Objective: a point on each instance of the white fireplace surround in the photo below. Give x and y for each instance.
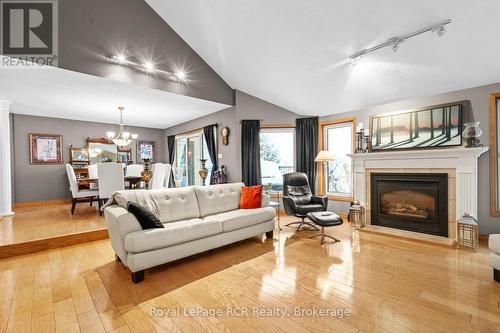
(462, 160)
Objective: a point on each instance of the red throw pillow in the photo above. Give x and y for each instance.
(251, 197)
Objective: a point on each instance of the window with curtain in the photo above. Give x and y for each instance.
(277, 155)
(189, 150)
(338, 139)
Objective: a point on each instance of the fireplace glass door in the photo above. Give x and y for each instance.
(415, 202)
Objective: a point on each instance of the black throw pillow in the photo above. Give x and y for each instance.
(145, 217)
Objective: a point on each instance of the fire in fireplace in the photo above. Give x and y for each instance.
(415, 202)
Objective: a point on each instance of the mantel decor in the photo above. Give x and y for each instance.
(45, 149)
(432, 126)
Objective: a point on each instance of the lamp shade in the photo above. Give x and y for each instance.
(324, 156)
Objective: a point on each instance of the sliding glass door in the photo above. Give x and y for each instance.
(189, 150)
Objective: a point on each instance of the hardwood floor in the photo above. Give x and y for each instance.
(40, 222)
(387, 284)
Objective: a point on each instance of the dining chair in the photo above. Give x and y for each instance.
(158, 179)
(92, 171)
(76, 193)
(110, 180)
(134, 170)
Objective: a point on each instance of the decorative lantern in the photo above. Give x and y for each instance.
(471, 133)
(467, 232)
(356, 215)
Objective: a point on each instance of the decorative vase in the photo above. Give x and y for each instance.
(471, 133)
(146, 174)
(203, 171)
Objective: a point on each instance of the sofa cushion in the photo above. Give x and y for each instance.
(494, 243)
(174, 233)
(216, 199)
(241, 218)
(146, 218)
(173, 204)
(250, 197)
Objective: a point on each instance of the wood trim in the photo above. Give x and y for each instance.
(493, 152)
(42, 203)
(340, 198)
(277, 126)
(195, 130)
(321, 170)
(37, 245)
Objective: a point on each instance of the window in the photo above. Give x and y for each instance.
(277, 155)
(189, 150)
(338, 139)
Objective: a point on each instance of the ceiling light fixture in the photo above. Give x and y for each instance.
(123, 138)
(149, 67)
(181, 75)
(121, 58)
(394, 42)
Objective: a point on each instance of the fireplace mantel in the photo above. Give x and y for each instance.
(463, 160)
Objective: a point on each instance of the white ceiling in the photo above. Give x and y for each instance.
(54, 92)
(293, 53)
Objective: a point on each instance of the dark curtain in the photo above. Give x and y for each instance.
(171, 158)
(250, 152)
(306, 148)
(209, 133)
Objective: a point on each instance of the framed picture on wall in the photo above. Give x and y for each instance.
(79, 154)
(146, 149)
(433, 126)
(45, 149)
(125, 155)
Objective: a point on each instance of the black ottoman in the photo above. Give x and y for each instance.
(325, 219)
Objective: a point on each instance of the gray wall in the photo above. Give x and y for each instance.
(92, 30)
(478, 110)
(48, 182)
(247, 107)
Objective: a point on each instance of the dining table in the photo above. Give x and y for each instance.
(85, 183)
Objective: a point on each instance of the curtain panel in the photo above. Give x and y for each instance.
(250, 152)
(210, 138)
(306, 147)
(171, 158)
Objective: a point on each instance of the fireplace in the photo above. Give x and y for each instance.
(410, 201)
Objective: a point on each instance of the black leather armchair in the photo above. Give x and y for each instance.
(298, 199)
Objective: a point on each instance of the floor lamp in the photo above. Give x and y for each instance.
(323, 157)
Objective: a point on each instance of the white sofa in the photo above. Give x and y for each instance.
(196, 219)
(494, 245)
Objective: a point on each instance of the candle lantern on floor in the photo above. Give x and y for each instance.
(356, 215)
(467, 232)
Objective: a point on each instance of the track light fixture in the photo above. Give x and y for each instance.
(149, 67)
(394, 42)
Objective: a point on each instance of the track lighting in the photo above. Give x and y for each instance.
(150, 68)
(394, 42)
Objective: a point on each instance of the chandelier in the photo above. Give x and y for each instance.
(123, 138)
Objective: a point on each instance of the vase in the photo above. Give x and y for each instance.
(146, 173)
(203, 171)
(471, 133)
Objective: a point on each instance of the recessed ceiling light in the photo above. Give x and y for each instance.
(148, 65)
